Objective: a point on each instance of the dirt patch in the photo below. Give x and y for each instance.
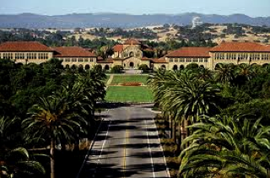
(134, 84)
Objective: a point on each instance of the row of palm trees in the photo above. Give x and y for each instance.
(62, 118)
(216, 140)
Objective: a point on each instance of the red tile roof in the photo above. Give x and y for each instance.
(190, 52)
(24, 46)
(240, 47)
(160, 60)
(73, 51)
(109, 60)
(118, 48)
(132, 41)
(146, 59)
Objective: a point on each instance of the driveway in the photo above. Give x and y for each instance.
(127, 146)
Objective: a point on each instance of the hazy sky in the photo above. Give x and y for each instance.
(252, 8)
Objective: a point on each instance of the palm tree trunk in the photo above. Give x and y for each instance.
(171, 126)
(52, 148)
(180, 135)
(174, 131)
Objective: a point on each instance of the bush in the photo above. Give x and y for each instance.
(117, 69)
(192, 66)
(144, 68)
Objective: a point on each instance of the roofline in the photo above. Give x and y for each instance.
(75, 56)
(188, 56)
(243, 51)
(27, 51)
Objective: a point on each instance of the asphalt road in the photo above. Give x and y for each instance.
(127, 146)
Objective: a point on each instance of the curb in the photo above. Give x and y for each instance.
(90, 148)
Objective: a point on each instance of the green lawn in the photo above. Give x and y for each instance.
(128, 94)
(129, 78)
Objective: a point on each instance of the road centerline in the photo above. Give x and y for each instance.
(149, 150)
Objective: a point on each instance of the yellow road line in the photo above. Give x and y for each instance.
(125, 147)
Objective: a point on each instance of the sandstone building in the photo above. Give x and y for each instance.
(132, 53)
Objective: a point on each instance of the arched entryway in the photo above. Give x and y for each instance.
(175, 67)
(87, 67)
(182, 67)
(131, 65)
(107, 67)
(163, 67)
(67, 66)
(73, 66)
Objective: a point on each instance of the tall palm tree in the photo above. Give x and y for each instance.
(54, 118)
(227, 146)
(183, 96)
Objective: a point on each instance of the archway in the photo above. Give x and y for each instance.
(131, 65)
(87, 67)
(131, 54)
(218, 65)
(163, 67)
(201, 66)
(175, 67)
(67, 66)
(107, 67)
(265, 65)
(73, 66)
(182, 67)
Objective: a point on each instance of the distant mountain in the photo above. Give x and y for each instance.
(28, 20)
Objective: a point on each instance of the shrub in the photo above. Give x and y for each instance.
(117, 69)
(192, 66)
(144, 68)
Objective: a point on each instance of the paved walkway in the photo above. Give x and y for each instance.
(127, 146)
(109, 81)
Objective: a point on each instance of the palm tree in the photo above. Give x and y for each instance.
(183, 96)
(15, 162)
(226, 146)
(159, 82)
(18, 163)
(225, 73)
(8, 132)
(54, 118)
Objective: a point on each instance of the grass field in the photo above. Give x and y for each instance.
(129, 78)
(128, 94)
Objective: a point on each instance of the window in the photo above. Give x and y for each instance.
(91, 60)
(171, 60)
(201, 60)
(85, 60)
(67, 60)
(175, 60)
(43, 55)
(7, 56)
(222, 56)
(74, 60)
(229, 56)
(31, 56)
(195, 60)
(265, 57)
(181, 60)
(257, 56)
(252, 56)
(205, 60)
(80, 60)
(188, 60)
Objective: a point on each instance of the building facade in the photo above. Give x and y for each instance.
(132, 54)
